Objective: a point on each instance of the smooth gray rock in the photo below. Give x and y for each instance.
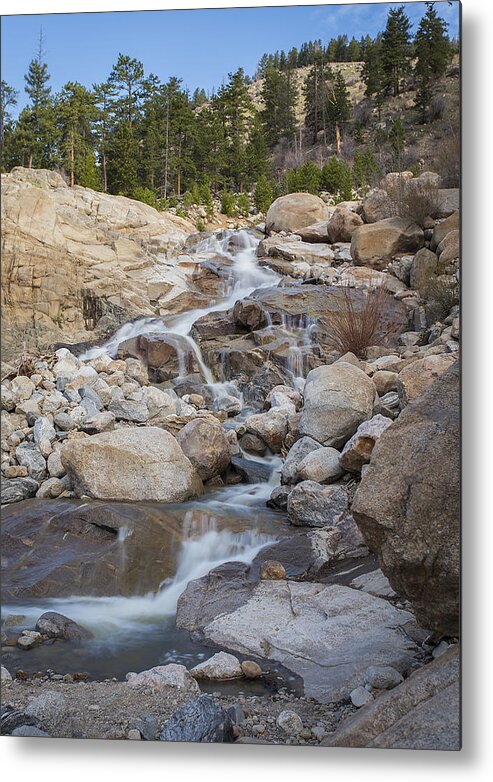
(297, 453)
(382, 677)
(56, 625)
(201, 720)
(312, 505)
(328, 635)
(128, 410)
(29, 731)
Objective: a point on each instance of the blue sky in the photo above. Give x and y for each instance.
(200, 46)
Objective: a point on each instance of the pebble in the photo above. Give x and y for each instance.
(360, 697)
(134, 735)
(290, 722)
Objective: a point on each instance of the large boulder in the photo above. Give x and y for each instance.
(313, 505)
(294, 211)
(408, 504)
(421, 713)
(328, 635)
(131, 464)
(376, 244)
(206, 445)
(296, 455)
(377, 206)
(338, 398)
(343, 224)
(55, 625)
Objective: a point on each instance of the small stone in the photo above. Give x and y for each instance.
(251, 669)
(28, 639)
(440, 649)
(221, 666)
(360, 697)
(29, 731)
(290, 722)
(271, 570)
(134, 735)
(6, 677)
(382, 677)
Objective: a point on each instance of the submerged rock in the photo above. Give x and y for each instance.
(56, 625)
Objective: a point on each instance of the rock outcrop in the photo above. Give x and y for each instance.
(408, 504)
(72, 257)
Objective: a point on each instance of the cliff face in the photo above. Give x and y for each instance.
(75, 260)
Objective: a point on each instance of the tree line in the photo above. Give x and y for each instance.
(135, 135)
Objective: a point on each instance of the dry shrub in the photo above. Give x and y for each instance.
(442, 293)
(354, 328)
(437, 107)
(414, 198)
(447, 159)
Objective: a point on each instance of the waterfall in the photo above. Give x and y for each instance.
(246, 276)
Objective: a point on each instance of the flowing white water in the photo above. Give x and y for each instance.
(119, 615)
(246, 276)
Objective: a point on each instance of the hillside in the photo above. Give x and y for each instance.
(433, 146)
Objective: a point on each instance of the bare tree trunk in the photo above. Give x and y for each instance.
(105, 176)
(338, 139)
(72, 163)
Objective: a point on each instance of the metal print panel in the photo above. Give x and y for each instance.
(230, 375)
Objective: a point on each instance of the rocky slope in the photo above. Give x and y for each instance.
(351, 435)
(72, 257)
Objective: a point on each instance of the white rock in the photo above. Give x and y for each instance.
(290, 722)
(163, 676)
(360, 697)
(322, 466)
(220, 666)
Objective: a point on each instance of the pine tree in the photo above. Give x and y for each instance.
(433, 52)
(373, 73)
(236, 108)
(104, 94)
(127, 80)
(396, 48)
(76, 113)
(8, 98)
(39, 125)
(316, 92)
(338, 107)
(257, 152)
(123, 152)
(263, 195)
(278, 115)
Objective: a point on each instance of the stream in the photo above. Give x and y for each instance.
(153, 551)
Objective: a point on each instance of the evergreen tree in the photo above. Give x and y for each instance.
(38, 126)
(104, 94)
(316, 91)
(123, 151)
(127, 80)
(338, 107)
(373, 73)
(8, 98)
(278, 115)
(396, 48)
(76, 112)
(263, 195)
(433, 52)
(257, 152)
(236, 109)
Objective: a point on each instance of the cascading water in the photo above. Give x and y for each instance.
(245, 277)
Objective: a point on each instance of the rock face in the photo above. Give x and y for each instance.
(421, 713)
(408, 504)
(328, 635)
(131, 464)
(338, 398)
(375, 244)
(292, 212)
(72, 255)
(207, 447)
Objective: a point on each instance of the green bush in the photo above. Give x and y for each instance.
(263, 195)
(146, 195)
(228, 203)
(337, 179)
(243, 205)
